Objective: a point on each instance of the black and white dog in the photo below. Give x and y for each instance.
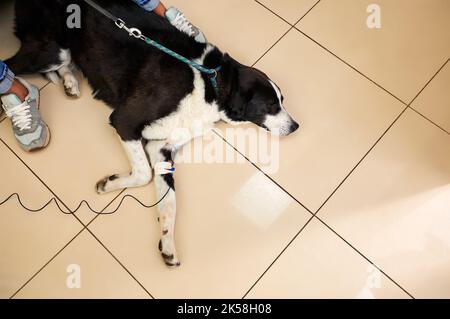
(151, 93)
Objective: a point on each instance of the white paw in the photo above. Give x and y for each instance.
(104, 186)
(168, 252)
(71, 87)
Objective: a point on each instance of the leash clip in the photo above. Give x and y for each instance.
(120, 23)
(133, 32)
(214, 75)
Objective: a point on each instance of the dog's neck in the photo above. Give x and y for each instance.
(225, 76)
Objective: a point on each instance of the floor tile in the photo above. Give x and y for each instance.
(10, 44)
(27, 240)
(395, 208)
(83, 270)
(319, 264)
(235, 26)
(402, 56)
(290, 10)
(341, 116)
(232, 222)
(434, 101)
(84, 148)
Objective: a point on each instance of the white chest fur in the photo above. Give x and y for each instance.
(193, 117)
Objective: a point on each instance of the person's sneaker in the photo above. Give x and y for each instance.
(179, 21)
(29, 129)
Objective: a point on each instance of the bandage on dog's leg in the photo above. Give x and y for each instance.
(164, 168)
(161, 158)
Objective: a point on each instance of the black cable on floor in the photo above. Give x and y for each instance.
(17, 196)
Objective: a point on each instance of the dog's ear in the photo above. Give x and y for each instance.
(237, 102)
(241, 94)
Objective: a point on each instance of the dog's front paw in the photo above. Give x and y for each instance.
(71, 87)
(102, 186)
(169, 256)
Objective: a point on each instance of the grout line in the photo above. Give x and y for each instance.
(85, 227)
(351, 66)
(428, 83)
(360, 161)
(120, 263)
(48, 188)
(398, 117)
(344, 180)
(269, 49)
(363, 256)
(64, 247)
(307, 12)
(106, 207)
(45, 85)
(420, 92)
(358, 164)
(76, 217)
(46, 264)
(380, 86)
(267, 8)
(315, 214)
(260, 170)
(72, 213)
(112, 255)
(278, 257)
(51, 191)
(292, 27)
(426, 118)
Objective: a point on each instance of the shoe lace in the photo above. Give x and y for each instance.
(183, 24)
(20, 115)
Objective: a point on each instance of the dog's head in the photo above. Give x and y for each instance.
(255, 98)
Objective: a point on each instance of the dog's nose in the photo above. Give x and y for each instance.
(294, 127)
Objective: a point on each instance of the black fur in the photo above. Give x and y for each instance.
(141, 83)
(167, 156)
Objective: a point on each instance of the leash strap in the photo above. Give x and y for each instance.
(101, 10)
(136, 33)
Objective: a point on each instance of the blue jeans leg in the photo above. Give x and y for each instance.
(6, 78)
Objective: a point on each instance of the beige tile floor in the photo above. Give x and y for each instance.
(360, 204)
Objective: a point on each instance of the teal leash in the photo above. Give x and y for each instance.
(135, 32)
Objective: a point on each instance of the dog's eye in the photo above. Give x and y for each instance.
(282, 99)
(274, 108)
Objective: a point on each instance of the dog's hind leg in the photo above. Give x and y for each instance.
(141, 172)
(159, 152)
(34, 57)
